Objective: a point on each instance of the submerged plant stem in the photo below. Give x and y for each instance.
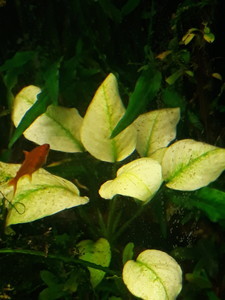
(86, 219)
(112, 219)
(62, 258)
(102, 224)
(126, 224)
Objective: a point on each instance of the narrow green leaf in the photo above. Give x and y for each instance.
(145, 90)
(51, 77)
(35, 111)
(128, 252)
(12, 68)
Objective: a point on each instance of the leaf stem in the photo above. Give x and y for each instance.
(86, 219)
(62, 258)
(102, 225)
(111, 218)
(126, 224)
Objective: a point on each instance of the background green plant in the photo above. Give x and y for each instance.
(67, 48)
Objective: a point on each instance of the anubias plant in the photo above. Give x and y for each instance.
(185, 165)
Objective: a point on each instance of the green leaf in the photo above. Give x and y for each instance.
(209, 37)
(194, 119)
(111, 10)
(199, 279)
(52, 293)
(12, 68)
(187, 38)
(154, 275)
(128, 252)
(72, 282)
(103, 113)
(145, 90)
(189, 165)
(43, 195)
(139, 179)
(48, 278)
(189, 73)
(129, 6)
(211, 201)
(172, 98)
(96, 252)
(217, 76)
(57, 126)
(17, 61)
(32, 113)
(51, 77)
(173, 77)
(156, 129)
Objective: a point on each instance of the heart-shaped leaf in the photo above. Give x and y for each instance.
(58, 126)
(140, 179)
(154, 275)
(43, 195)
(189, 165)
(96, 252)
(103, 113)
(156, 129)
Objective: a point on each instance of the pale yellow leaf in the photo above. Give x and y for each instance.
(189, 165)
(154, 275)
(103, 113)
(45, 194)
(58, 126)
(156, 129)
(139, 179)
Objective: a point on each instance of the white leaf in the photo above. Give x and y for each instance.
(189, 165)
(58, 126)
(154, 275)
(103, 113)
(44, 195)
(140, 179)
(158, 154)
(156, 129)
